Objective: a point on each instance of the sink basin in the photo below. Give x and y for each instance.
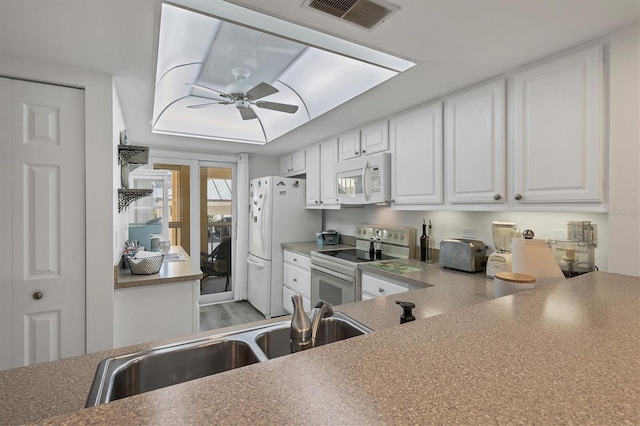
(128, 375)
(276, 341)
(139, 372)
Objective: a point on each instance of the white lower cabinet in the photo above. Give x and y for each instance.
(154, 312)
(374, 286)
(297, 280)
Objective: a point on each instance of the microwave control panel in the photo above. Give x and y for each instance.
(376, 180)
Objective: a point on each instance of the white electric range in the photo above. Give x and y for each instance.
(335, 277)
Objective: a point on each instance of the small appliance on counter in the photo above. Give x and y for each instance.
(328, 237)
(463, 255)
(500, 260)
(576, 254)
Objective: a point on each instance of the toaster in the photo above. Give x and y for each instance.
(463, 255)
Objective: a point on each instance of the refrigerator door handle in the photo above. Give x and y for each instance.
(263, 225)
(256, 264)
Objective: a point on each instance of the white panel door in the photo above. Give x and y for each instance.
(474, 145)
(6, 250)
(559, 136)
(48, 222)
(328, 184)
(416, 157)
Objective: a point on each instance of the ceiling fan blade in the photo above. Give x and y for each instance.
(247, 113)
(261, 90)
(288, 108)
(209, 104)
(208, 89)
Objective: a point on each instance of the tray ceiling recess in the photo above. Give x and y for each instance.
(229, 73)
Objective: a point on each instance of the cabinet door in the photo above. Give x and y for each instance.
(328, 160)
(298, 161)
(474, 144)
(375, 138)
(285, 164)
(559, 141)
(313, 176)
(349, 145)
(416, 157)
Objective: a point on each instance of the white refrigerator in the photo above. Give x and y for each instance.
(277, 215)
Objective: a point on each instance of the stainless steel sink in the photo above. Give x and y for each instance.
(275, 342)
(135, 373)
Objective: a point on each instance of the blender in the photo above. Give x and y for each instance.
(500, 260)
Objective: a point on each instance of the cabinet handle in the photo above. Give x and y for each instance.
(518, 197)
(497, 197)
(381, 290)
(364, 151)
(316, 201)
(355, 152)
(295, 280)
(295, 259)
(37, 295)
(321, 202)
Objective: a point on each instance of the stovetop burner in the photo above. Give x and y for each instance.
(354, 255)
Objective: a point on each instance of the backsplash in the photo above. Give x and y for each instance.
(449, 224)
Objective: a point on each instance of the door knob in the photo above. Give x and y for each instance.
(497, 197)
(37, 295)
(518, 197)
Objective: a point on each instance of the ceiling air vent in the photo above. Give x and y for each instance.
(363, 13)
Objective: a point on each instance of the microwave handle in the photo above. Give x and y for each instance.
(365, 190)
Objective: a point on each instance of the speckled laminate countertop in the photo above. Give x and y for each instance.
(170, 272)
(565, 352)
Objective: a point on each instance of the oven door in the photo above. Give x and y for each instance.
(332, 287)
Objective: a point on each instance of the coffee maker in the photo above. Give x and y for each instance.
(500, 260)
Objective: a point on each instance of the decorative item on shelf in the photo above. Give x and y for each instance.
(130, 157)
(146, 263)
(128, 196)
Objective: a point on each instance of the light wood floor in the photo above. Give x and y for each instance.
(228, 314)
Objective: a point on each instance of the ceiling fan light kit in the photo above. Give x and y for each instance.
(242, 95)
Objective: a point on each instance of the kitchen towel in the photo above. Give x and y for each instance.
(533, 257)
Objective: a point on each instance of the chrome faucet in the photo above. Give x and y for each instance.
(303, 328)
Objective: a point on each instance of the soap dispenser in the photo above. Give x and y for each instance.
(407, 315)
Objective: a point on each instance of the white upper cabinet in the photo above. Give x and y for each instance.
(313, 176)
(559, 131)
(321, 178)
(349, 145)
(328, 184)
(416, 157)
(368, 140)
(374, 138)
(475, 145)
(292, 163)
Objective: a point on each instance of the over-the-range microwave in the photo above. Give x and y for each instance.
(364, 180)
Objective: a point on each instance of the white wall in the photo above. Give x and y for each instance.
(100, 193)
(624, 152)
(449, 224)
(263, 165)
(120, 230)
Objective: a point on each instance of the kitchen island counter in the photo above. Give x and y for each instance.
(566, 352)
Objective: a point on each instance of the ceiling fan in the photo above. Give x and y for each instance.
(243, 96)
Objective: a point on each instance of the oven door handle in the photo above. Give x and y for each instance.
(333, 273)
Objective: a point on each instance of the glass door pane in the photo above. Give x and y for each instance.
(216, 232)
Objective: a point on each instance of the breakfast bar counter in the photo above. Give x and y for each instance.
(567, 351)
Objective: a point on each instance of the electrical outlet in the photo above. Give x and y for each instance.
(469, 232)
